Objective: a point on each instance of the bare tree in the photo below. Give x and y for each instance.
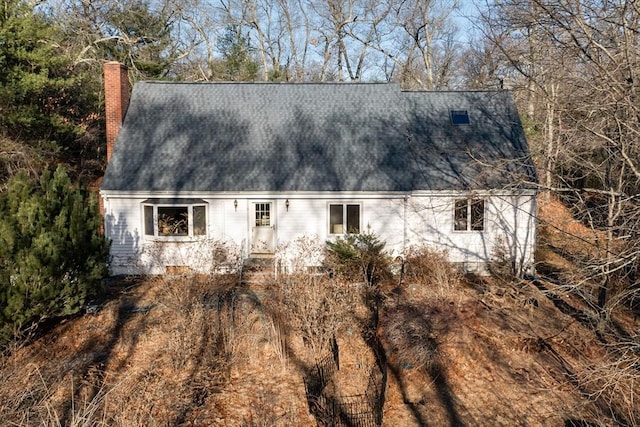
(155, 39)
(428, 35)
(577, 62)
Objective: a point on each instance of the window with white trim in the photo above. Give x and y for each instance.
(469, 215)
(179, 218)
(344, 218)
(263, 214)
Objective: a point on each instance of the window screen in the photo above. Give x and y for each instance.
(460, 215)
(199, 221)
(336, 224)
(477, 215)
(353, 218)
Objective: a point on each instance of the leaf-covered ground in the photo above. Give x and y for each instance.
(201, 351)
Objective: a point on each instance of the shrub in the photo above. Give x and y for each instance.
(432, 270)
(359, 256)
(317, 308)
(52, 255)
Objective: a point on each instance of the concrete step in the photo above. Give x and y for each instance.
(258, 270)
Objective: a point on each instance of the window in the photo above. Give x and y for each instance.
(459, 117)
(173, 221)
(469, 215)
(182, 219)
(344, 218)
(263, 214)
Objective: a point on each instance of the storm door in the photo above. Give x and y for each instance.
(263, 228)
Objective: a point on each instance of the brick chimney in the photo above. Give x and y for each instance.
(116, 100)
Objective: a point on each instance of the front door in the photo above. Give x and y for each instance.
(262, 230)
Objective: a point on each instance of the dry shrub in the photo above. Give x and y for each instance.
(198, 306)
(62, 402)
(318, 307)
(278, 339)
(428, 273)
(181, 293)
(30, 404)
(213, 310)
(249, 332)
(298, 255)
(183, 356)
(207, 256)
(614, 383)
(167, 355)
(179, 360)
(421, 313)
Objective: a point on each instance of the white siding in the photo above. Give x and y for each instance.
(385, 218)
(400, 222)
(509, 223)
(123, 222)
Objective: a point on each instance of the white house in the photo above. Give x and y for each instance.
(258, 165)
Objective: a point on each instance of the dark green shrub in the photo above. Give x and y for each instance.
(52, 255)
(359, 257)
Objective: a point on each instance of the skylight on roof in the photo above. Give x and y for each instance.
(459, 117)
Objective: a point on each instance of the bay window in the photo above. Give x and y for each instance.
(175, 217)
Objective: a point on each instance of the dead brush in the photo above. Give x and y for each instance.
(31, 405)
(428, 274)
(317, 308)
(278, 339)
(183, 359)
(614, 382)
(188, 336)
(63, 402)
(410, 337)
(186, 290)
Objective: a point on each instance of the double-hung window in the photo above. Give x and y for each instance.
(175, 218)
(344, 218)
(469, 215)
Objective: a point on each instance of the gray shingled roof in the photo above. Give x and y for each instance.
(315, 137)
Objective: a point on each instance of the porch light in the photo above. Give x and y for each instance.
(235, 205)
(286, 204)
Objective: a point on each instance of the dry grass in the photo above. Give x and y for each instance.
(428, 275)
(204, 350)
(417, 313)
(126, 359)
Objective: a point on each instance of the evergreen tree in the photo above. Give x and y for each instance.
(139, 37)
(52, 255)
(237, 63)
(359, 256)
(48, 105)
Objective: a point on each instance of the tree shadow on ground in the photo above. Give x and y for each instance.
(409, 342)
(101, 348)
